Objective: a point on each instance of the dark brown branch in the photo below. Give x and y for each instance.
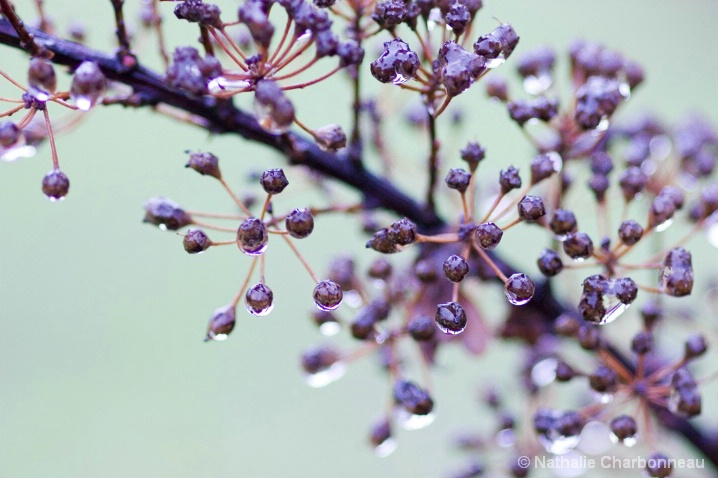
(120, 28)
(223, 117)
(27, 41)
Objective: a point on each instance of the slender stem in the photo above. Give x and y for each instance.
(27, 40)
(312, 82)
(120, 29)
(433, 163)
(234, 197)
(247, 278)
(53, 148)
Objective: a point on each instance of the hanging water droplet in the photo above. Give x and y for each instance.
(385, 448)
(544, 372)
(352, 298)
(624, 89)
(558, 444)
(84, 103)
(627, 442)
(399, 79)
(220, 84)
(595, 438)
(712, 230)
(506, 438)
(162, 227)
(411, 421)
(604, 398)
(495, 62)
(538, 84)
(324, 377)
(664, 225)
(329, 329)
(14, 153)
(38, 94)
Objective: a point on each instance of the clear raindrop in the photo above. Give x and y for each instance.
(410, 421)
(326, 376)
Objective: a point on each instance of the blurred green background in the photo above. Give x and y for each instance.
(103, 371)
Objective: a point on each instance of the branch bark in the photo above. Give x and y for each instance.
(223, 117)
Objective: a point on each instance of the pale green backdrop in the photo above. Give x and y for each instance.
(103, 372)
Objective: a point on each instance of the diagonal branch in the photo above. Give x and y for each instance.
(222, 116)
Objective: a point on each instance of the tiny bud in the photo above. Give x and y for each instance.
(624, 427)
(299, 223)
(451, 318)
(252, 236)
(603, 380)
(563, 222)
(166, 214)
(41, 78)
(88, 85)
(630, 232)
(458, 179)
(55, 185)
(519, 289)
(380, 269)
(259, 300)
(488, 235)
(578, 245)
(696, 346)
(642, 343)
(327, 295)
(402, 232)
(330, 137)
(205, 164)
(422, 328)
(509, 179)
(273, 181)
(412, 398)
(456, 268)
(531, 208)
(221, 323)
(196, 241)
(550, 263)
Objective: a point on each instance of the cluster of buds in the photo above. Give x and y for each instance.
(251, 238)
(19, 139)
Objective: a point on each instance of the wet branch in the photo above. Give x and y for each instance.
(221, 116)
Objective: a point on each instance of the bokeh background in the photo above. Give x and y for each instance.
(103, 371)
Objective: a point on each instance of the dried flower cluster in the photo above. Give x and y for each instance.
(596, 192)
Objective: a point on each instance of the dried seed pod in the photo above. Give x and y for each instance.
(458, 179)
(206, 164)
(397, 64)
(509, 179)
(550, 263)
(166, 214)
(55, 185)
(196, 241)
(88, 85)
(531, 208)
(451, 318)
(455, 268)
(299, 223)
(676, 277)
(252, 236)
(412, 398)
(328, 295)
(488, 235)
(402, 232)
(273, 181)
(221, 323)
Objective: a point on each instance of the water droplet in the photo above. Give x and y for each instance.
(506, 438)
(538, 84)
(385, 448)
(329, 329)
(603, 124)
(544, 372)
(259, 312)
(435, 18)
(84, 103)
(558, 444)
(220, 84)
(399, 79)
(326, 376)
(38, 94)
(712, 231)
(664, 225)
(217, 337)
(254, 252)
(264, 118)
(595, 438)
(498, 61)
(162, 227)
(352, 298)
(17, 152)
(514, 298)
(624, 89)
(556, 161)
(603, 398)
(627, 442)
(410, 421)
(660, 147)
